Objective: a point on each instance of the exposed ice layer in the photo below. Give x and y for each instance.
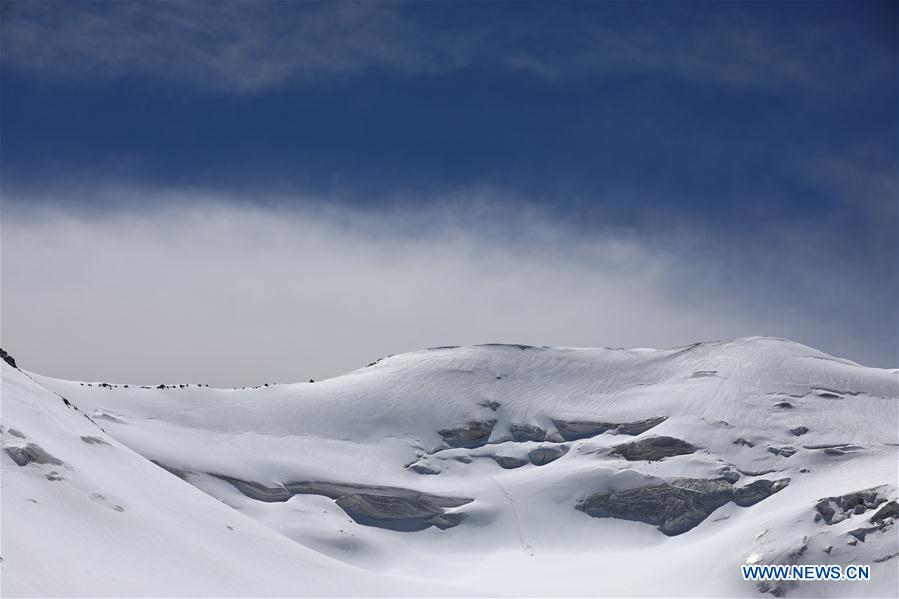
(574, 430)
(544, 455)
(653, 448)
(31, 453)
(397, 513)
(470, 434)
(423, 469)
(526, 432)
(890, 510)
(836, 509)
(678, 506)
(386, 507)
(509, 462)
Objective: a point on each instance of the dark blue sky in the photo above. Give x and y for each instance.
(765, 121)
(718, 110)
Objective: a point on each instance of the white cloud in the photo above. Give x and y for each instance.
(205, 290)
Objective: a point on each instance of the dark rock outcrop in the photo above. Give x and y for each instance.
(7, 358)
(574, 430)
(862, 533)
(799, 431)
(782, 451)
(836, 509)
(509, 462)
(31, 453)
(423, 469)
(889, 510)
(526, 432)
(653, 448)
(471, 434)
(757, 490)
(729, 474)
(544, 455)
(677, 506)
(639, 426)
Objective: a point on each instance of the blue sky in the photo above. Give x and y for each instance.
(752, 143)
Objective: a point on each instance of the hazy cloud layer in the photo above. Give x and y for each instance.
(247, 46)
(661, 173)
(202, 289)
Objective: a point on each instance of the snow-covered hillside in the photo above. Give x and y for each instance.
(499, 469)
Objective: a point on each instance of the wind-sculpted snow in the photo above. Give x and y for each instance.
(479, 468)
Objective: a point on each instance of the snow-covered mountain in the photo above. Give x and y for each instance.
(488, 470)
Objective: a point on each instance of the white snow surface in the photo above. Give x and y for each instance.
(118, 524)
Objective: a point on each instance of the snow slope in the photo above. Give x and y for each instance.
(656, 473)
(97, 519)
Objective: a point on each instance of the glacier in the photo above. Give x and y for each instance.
(491, 470)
